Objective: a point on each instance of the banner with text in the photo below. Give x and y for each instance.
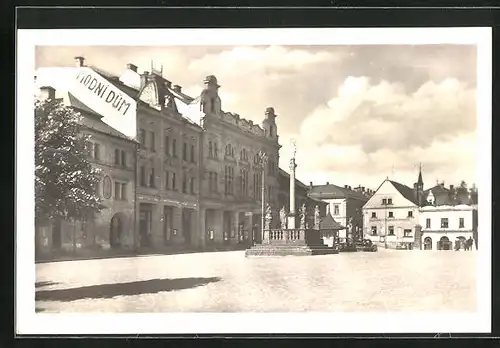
(117, 108)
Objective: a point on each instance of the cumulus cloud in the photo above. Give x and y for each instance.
(385, 116)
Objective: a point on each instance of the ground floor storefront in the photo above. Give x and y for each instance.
(445, 240)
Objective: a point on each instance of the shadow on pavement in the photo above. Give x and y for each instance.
(42, 284)
(122, 289)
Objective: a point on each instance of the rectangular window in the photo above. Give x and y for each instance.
(124, 191)
(374, 215)
(216, 151)
(184, 183)
(336, 209)
(444, 222)
(210, 150)
(153, 141)
(142, 138)
(143, 176)
(391, 214)
(184, 152)
(167, 180)
(167, 145)
(191, 185)
(461, 223)
(174, 183)
(174, 147)
(427, 223)
(216, 183)
(124, 158)
(192, 154)
(374, 230)
(117, 157)
(389, 200)
(118, 190)
(384, 201)
(152, 178)
(97, 154)
(407, 233)
(391, 230)
(410, 214)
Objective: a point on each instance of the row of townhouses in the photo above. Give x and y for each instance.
(397, 216)
(176, 170)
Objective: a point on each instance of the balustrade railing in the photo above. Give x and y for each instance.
(286, 236)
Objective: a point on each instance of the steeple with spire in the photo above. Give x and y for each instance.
(419, 186)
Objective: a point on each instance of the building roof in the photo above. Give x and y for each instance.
(282, 172)
(92, 120)
(329, 223)
(405, 191)
(333, 191)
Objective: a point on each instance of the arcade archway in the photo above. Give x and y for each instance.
(444, 243)
(116, 231)
(428, 243)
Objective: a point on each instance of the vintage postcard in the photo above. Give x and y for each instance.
(253, 181)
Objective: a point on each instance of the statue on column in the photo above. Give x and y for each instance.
(303, 212)
(268, 217)
(316, 217)
(349, 231)
(283, 218)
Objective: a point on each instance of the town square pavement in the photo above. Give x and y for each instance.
(387, 280)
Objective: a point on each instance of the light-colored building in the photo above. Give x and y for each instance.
(114, 154)
(199, 174)
(343, 203)
(390, 216)
(442, 225)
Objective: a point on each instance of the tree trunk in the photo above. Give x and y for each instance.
(74, 236)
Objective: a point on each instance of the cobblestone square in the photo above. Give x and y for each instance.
(229, 282)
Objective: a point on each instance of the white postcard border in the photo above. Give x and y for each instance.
(29, 322)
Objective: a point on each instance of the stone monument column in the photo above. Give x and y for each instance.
(293, 166)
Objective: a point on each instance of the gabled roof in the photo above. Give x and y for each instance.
(405, 191)
(333, 191)
(329, 223)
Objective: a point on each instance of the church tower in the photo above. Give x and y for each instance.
(269, 124)
(419, 187)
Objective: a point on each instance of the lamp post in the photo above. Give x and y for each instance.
(263, 161)
(385, 203)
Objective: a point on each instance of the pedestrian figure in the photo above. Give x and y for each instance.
(457, 245)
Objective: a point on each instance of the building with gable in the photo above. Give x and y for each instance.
(390, 216)
(448, 215)
(343, 204)
(114, 154)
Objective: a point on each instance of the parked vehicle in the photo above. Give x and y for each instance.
(367, 245)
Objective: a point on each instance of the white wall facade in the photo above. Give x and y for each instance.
(400, 215)
(433, 230)
(339, 204)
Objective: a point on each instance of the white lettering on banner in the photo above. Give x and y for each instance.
(100, 89)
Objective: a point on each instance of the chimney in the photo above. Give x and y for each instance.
(310, 185)
(177, 88)
(346, 187)
(47, 92)
(132, 67)
(362, 189)
(349, 188)
(80, 62)
(327, 183)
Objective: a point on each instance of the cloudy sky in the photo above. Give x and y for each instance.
(359, 114)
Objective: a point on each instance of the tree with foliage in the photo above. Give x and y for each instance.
(65, 180)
